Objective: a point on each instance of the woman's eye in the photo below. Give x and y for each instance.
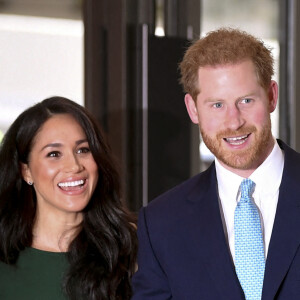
(53, 154)
(83, 150)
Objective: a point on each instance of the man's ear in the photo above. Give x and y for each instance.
(191, 108)
(26, 174)
(273, 95)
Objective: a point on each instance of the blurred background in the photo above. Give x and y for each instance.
(120, 60)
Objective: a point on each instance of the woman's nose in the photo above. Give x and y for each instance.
(73, 164)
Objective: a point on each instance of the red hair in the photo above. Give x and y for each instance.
(225, 46)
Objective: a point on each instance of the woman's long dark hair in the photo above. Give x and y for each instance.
(103, 255)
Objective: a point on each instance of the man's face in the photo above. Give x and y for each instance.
(233, 113)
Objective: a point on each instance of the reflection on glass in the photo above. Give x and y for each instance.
(159, 18)
(257, 17)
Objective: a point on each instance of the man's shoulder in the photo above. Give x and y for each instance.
(291, 169)
(291, 156)
(177, 196)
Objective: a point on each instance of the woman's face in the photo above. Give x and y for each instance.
(61, 166)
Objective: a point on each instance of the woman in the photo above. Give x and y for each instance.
(64, 232)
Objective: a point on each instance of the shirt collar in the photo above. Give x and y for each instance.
(267, 176)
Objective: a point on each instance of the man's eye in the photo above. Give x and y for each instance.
(246, 100)
(218, 105)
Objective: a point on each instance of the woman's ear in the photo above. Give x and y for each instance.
(26, 174)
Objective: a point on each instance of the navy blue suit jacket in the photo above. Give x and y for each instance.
(183, 252)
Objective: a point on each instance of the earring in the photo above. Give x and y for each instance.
(30, 183)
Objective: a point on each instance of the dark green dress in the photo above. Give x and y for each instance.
(36, 276)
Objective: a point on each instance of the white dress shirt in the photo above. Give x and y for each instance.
(267, 178)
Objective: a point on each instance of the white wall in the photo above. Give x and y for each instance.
(39, 58)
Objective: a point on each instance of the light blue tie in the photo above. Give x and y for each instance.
(249, 247)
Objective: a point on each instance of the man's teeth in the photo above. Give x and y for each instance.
(237, 140)
(71, 183)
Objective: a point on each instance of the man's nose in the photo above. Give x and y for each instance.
(234, 118)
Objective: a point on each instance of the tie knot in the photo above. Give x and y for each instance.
(246, 188)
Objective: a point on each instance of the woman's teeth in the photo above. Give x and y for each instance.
(71, 183)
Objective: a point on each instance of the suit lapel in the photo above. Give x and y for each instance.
(210, 241)
(285, 237)
(209, 233)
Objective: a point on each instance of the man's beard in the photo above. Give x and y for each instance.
(240, 159)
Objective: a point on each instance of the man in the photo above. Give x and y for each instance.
(233, 231)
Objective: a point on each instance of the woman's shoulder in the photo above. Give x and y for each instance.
(36, 275)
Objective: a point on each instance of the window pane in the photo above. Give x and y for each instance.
(40, 57)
